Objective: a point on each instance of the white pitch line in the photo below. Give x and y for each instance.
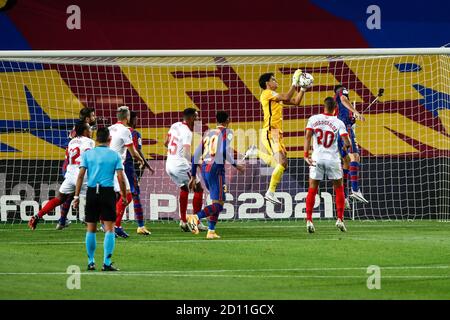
(229, 275)
(193, 272)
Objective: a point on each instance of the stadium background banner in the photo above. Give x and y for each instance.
(404, 138)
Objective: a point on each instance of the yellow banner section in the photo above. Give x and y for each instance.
(47, 87)
(166, 88)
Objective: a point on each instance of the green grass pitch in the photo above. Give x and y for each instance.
(253, 260)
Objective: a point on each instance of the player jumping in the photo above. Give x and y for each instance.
(348, 114)
(134, 174)
(121, 140)
(178, 143)
(325, 129)
(214, 150)
(272, 132)
(77, 146)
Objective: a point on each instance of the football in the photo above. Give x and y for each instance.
(306, 80)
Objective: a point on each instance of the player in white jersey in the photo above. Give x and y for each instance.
(324, 129)
(77, 146)
(121, 141)
(178, 164)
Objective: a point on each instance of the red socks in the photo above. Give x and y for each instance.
(120, 209)
(51, 204)
(310, 200)
(340, 202)
(197, 202)
(183, 204)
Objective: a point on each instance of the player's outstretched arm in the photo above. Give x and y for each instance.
(298, 98)
(349, 106)
(286, 97)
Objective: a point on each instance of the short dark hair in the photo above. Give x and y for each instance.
(189, 112)
(329, 104)
(221, 116)
(133, 115)
(265, 78)
(80, 126)
(85, 113)
(102, 135)
(337, 87)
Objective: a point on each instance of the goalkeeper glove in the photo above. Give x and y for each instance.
(296, 77)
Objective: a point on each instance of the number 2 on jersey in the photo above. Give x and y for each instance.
(326, 139)
(74, 154)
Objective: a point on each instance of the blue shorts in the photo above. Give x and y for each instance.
(214, 178)
(132, 179)
(353, 144)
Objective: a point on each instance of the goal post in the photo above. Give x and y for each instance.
(404, 141)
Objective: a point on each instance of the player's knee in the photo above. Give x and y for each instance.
(185, 188)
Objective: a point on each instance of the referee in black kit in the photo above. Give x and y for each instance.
(100, 163)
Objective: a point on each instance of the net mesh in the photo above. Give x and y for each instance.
(404, 142)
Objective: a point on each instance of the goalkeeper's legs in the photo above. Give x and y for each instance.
(277, 175)
(254, 152)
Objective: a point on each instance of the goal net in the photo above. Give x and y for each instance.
(404, 141)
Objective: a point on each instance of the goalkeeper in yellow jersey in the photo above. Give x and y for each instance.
(272, 132)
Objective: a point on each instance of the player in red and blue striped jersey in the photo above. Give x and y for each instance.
(351, 159)
(212, 153)
(134, 174)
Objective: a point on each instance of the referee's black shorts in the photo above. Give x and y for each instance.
(101, 205)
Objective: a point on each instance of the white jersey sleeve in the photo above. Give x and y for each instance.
(120, 139)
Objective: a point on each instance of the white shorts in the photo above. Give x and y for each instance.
(69, 184)
(116, 182)
(326, 168)
(179, 172)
